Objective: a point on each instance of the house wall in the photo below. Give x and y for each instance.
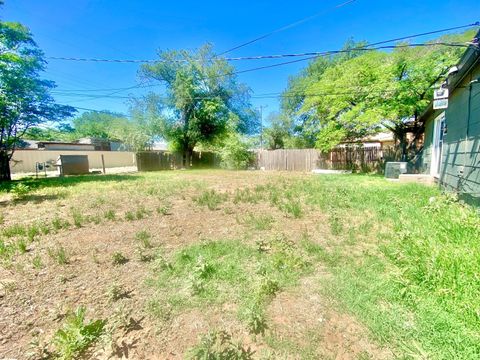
(428, 142)
(460, 167)
(80, 147)
(24, 161)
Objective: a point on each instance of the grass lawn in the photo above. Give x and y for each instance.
(237, 265)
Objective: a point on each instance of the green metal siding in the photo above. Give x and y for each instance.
(461, 150)
(428, 143)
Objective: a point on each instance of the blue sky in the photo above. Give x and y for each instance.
(129, 29)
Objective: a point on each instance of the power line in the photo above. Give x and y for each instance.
(317, 54)
(286, 27)
(276, 56)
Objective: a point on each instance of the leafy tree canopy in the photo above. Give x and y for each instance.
(202, 97)
(375, 90)
(25, 100)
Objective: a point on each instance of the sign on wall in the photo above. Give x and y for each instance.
(440, 98)
(440, 104)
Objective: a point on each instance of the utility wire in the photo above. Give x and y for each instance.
(261, 57)
(286, 27)
(317, 54)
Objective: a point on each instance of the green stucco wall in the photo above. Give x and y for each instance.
(460, 167)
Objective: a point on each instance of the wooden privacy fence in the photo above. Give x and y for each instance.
(347, 158)
(164, 160)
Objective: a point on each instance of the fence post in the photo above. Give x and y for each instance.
(103, 164)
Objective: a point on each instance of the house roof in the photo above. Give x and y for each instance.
(468, 60)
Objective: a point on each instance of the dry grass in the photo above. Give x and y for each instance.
(169, 258)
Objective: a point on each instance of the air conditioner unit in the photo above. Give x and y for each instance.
(394, 169)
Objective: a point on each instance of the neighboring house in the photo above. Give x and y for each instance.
(105, 144)
(381, 140)
(451, 151)
(159, 146)
(60, 145)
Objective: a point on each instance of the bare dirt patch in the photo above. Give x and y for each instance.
(36, 295)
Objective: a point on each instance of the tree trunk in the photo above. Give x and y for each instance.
(187, 158)
(4, 167)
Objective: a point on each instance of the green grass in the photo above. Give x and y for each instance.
(259, 222)
(215, 272)
(211, 199)
(418, 291)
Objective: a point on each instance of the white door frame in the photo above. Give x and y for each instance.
(437, 145)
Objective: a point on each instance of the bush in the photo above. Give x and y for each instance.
(234, 153)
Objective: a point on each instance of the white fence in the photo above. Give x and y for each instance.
(24, 161)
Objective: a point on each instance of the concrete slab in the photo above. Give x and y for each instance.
(417, 178)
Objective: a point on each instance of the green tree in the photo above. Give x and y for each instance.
(25, 101)
(305, 127)
(377, 90)
(279, 131)
(98, 124)
(202, 96)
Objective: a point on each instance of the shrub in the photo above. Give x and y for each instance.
(235, 154)
(76, 335)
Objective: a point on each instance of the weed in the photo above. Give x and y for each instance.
(259, 222)
(130, 216)
(144, 238)
(20, 191)
(109, 215)
(211, 199)
(22, 246)
(141, 212)
(78, 218)
(269, 287)
(144, 255)
(37, 262)
(247, 196)
(116, 292)
(59, 255)
(336, 226)
(118, 259)
(255, 319)
(76, 336)
(159, 310)
(164, 209)
(15, 230)
(33, 231)
(59, 223)
(218, 345)
(292, 208)
(2, 219)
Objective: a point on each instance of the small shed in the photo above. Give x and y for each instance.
(73, 164)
